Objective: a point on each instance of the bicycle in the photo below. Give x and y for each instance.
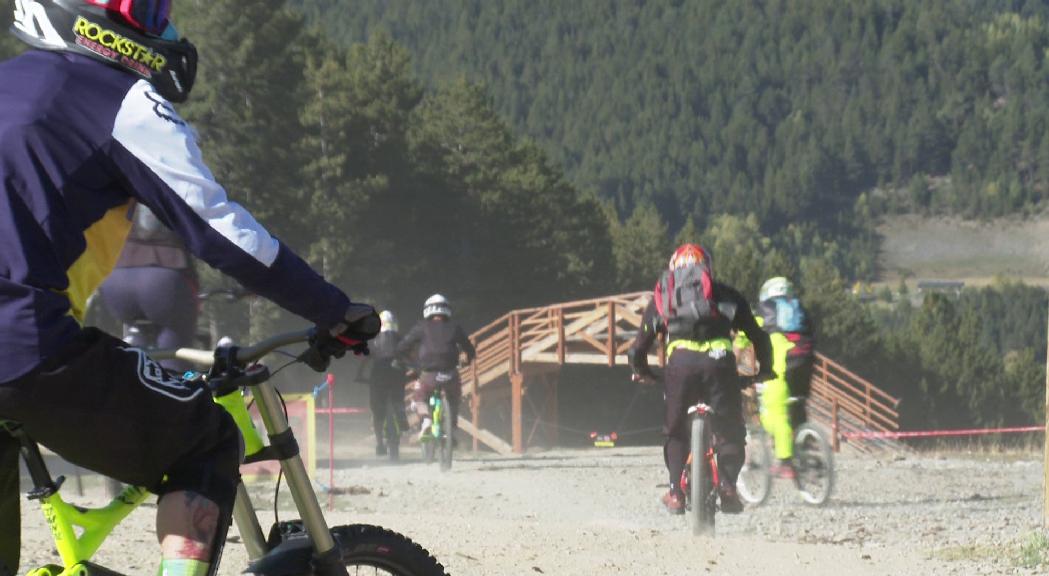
(813, 464)
(440, 437)
(300, 547)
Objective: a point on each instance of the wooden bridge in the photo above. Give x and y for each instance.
(519, 357)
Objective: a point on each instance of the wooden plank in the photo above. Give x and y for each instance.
(486, 437)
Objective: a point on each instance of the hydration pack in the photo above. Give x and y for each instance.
(684, 298)
(783, 315)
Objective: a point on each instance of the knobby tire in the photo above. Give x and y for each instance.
(755, 479)
(363, 545)
(447, 434)
(700, 484)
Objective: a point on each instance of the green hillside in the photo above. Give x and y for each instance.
(790, 110)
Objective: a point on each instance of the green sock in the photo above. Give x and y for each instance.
(182, 567)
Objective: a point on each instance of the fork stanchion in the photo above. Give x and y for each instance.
(331, 440)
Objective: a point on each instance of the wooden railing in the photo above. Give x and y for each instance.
(600, 331)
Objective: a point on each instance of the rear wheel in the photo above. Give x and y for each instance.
(447, 438)
(700, 483)
(814, 464)
(755, 479)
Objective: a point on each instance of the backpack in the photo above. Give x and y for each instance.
(785, 315)
(684, 298)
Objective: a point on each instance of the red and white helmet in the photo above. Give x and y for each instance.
(689, 255)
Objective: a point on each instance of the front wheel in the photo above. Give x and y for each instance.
(700, 484)
(447, 438)
(814, 464)
(382, 551)
(755, 479)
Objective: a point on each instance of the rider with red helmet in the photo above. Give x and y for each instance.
(697, 314)
(86, 132)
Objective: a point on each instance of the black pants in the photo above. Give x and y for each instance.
(386, 391)
(10, 517)
(112, 409)
(692, 377)
(799, 381)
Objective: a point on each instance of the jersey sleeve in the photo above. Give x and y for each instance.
(157, 156)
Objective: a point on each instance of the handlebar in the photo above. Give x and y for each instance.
(245, 355)
(225, 294)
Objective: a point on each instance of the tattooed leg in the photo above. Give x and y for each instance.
(186, 524)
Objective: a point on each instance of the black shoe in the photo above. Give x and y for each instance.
(730, 502)
(380, 449)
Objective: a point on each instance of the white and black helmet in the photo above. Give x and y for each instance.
(437, 305)
(389, 321)
(132, 35)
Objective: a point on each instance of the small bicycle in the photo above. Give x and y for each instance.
(813, 464)
(439, 440)
(296, 547)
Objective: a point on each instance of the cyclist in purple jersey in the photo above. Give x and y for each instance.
(85, 133)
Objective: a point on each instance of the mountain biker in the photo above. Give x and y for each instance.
(696, 315)
(154, 280)
(437, 342)
(793, 348)
(385, 380)
(86, 132)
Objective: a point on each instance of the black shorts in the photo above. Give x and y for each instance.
(110, 408)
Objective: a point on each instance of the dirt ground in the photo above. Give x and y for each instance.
(587, 511)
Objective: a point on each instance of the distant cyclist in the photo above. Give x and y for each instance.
(385, 380)
(437, 343)
(86, 131)
(697, 315)
(783, 398)
(154, 280)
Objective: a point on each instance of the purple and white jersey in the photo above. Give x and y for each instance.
(80, 142)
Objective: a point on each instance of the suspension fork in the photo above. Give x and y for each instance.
(282, 439)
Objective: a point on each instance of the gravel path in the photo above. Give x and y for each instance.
(581, 512)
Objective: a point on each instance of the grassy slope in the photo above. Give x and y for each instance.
(975, 252)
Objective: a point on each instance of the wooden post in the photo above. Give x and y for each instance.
(561, 344)
(834, 429)
(611, 333)
(475, 401)
(552, 417)
(516, 396)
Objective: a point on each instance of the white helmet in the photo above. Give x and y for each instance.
(778, 287)
(389, 321)
(437, 305)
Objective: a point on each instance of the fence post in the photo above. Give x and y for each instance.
(516, 393)
(612, 333)
(561, 344)
(867, 412)
(834, 429)
(476, 402)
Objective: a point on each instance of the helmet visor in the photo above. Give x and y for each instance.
(150, 16)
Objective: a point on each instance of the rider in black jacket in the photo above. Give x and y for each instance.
(701, 366)
(438, 342)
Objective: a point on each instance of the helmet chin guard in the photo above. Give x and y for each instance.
(81, 28)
